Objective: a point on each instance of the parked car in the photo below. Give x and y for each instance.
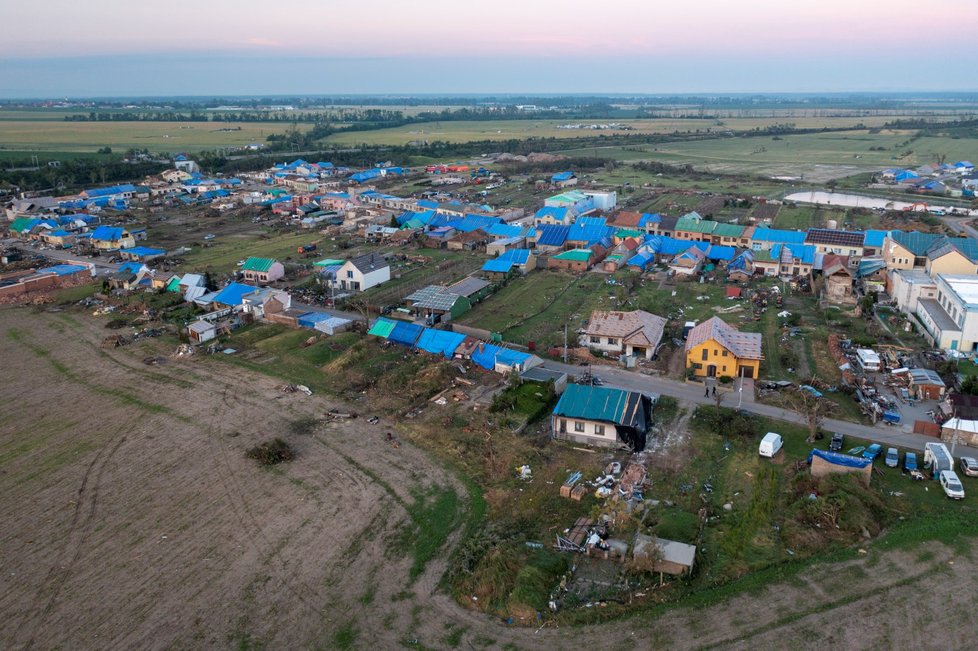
(209, 236)
(969, 466)
(770, 445)
(951, 485)
(892, 459)
(910, 461)
(872, 451)
(837, 442)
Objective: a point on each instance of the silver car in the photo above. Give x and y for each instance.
(969, 466)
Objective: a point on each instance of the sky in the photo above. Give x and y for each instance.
(54, 48)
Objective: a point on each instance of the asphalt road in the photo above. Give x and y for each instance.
(893, 435)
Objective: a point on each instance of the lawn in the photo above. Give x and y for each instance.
(224, 252)
(534, 308)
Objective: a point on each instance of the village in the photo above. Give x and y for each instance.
(630, 387)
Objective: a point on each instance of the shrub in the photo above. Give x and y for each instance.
(271, 452)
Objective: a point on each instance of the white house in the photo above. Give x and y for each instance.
(361, 273)
(631, 333)
(908, 286)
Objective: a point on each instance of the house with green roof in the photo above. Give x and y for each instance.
(577, 259)
(602, 416)
(692, 226)
(262, 270)
(731, 235)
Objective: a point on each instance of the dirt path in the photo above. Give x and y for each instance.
(133, 520)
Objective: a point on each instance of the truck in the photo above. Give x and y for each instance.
(306, 248)
(937, 458)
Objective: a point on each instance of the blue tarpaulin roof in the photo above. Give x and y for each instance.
(553, 235)
(234, 293)
(405, 333)
(839, 459)
(488, 355)
(717, 252)
(641, 259)
(144, 251)
(62, 269)
(440, 342)
(765, 234)
(557, 213)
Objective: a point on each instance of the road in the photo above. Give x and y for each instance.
(960, 225)
(693, 394)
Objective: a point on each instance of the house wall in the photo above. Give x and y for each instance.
(566, 429)
(895, 256)
(838, 287)
(907, 295)
(724, 361)
(952, 263)
(569, 265)
(603, 344)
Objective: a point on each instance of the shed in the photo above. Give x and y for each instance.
(322, 322)
(926, 384)
(667, 556)
(201, 331)
(543, 375)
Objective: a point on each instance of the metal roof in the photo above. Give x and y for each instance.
(258, 264)
(831, 237)
(553, 235)
(599, 403)
(577, 255)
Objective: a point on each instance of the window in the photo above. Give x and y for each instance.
(612, 341)
(706, 354)
(599, 430)
(714, 352)
(349, 274)
(578, 426)
(724, 352)
(595, 340)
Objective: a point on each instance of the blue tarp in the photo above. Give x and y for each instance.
(310, 319)
(405, 333)
(839, 459)
(487, 355)
(440, 342)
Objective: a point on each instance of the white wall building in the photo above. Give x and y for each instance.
(361, 273)
(950, 321)
(908, 286)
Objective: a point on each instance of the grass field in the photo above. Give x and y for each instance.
(51, 135)
(466, 131)
(815, 157)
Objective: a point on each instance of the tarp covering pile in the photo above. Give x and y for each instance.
(405, 333)
(839, 459)
(488, 355)
(382, 328)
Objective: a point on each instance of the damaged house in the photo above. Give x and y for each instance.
(602, 416)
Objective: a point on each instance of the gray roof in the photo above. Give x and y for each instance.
(433, 297)
(469, 286)
(744, 345)
(368, 262)
(938, 315)
(925, 376)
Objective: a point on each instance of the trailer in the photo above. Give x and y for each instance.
(937, 458)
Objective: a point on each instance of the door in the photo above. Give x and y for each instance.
(711, 370)
(747, 371)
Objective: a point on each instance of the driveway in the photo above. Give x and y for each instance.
(693, 394)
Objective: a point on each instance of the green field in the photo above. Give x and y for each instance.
(48, 135)
(815, 157)
(467, 131)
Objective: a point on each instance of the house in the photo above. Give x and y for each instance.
(952, 256)
(715, 348)
(266, 301)
(950, 321)
(521, 260)
(838, 279)
(636, 333)
(848, 244)
(551, 237)
(108, 238)
(926, 384)
(786, 260)
(437, 303)
(871, 272)
(907, 250)
(587, 231)
(560, 215)
(141, 253)
(563, 179)
(729, 235)
(361, 273)
(262, 270)
(576, 260)
(689, 262)
(575, 201)
(232, 296)
(201, 331)
(907, 286)
(692, 226)
(192, 286)
(764, 238)
(602, 416)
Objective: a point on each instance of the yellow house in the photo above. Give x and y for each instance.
(716, 349)
(947, 258)
(907, 249)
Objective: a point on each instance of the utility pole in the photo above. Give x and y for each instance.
(565, 343)
(740, 398)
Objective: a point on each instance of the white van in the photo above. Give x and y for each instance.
(770, 444)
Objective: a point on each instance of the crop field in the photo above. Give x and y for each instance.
(808, 157)
(145, 525)
(46, 135)
(466, 131)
